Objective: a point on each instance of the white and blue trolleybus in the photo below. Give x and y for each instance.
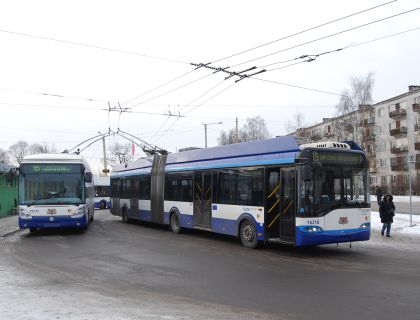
(55, 190)
(275, 190)
(102, 191)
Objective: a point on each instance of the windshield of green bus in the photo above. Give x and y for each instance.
(334, 187)
(42, 184)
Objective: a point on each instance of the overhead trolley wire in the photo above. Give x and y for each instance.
(158, 87)
(171, 90)
(303, 31)
(327, 36)
(92, 46)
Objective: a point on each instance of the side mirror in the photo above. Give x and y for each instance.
(307, 173)
(88, 177)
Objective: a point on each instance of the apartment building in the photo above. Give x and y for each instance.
(389, 133)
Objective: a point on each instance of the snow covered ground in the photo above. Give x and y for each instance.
(399, 198)
(401, 223)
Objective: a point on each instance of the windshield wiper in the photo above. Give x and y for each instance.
(32, 203)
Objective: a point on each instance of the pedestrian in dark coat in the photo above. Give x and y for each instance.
(379, 195)
(387, 212)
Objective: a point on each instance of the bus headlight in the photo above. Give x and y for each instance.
(365, 225)
(79, 212)
(313, 229)
(24, 214)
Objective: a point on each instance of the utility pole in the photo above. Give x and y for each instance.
(205, 131)
(410, 161)
(237, 131)
(105, 170)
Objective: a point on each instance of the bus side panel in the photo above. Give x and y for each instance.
(226, 218)
(145, 212)
(184, 209)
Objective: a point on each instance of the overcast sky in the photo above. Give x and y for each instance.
(165, 37)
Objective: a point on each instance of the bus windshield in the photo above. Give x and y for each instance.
(334, 188)
(51, 188)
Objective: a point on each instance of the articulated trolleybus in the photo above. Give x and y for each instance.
(274, 190)
(55, 190)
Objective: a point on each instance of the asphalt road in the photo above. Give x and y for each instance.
(143, 272)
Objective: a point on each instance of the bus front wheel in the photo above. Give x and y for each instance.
(175, 225)
(248, 234)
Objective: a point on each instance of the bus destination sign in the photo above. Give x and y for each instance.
(52, 168)
(337, 158)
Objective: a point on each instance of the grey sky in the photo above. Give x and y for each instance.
(187, 31)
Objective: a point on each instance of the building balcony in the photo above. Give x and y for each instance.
(399, 113)
(367, 122)
(398, 131)
(416, 107)
(369, 137)
(399, 167)
(400, 149)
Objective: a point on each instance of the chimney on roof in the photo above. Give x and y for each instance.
(412, 88)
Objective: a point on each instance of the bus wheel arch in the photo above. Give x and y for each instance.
(175, 221)
(247, 232)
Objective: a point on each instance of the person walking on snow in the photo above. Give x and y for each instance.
(387, 212)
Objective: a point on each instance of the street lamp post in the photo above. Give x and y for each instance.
(205, 131)
(410, 161)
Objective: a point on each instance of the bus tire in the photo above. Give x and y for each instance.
(248, 234)
(32, 230)
(124, 215)
(175, 225)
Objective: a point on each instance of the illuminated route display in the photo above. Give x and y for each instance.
(339, 158)
(52, 168)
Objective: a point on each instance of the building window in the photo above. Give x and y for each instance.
(380, 112)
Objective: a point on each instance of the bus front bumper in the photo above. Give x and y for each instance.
(304, 238)
(52, 222)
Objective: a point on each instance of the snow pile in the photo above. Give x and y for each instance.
(401, 223)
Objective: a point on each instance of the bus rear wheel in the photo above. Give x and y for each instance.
(248, 234)
(175, 225)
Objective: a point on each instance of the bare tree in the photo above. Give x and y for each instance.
(4, 157)
(227, 137)
(254, 129)
(296, 123)
(36, 148)
(17, 151)
(359, 95)
(121, 153)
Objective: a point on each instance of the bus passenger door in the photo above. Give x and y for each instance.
(288, 203)
(202, 200)
(134, 198)
(272, 202)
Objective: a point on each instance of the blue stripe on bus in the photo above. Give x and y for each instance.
(233, 164)
(58, 222)
(236, 156)
(304, 238)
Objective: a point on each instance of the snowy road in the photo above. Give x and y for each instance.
(120, 271)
